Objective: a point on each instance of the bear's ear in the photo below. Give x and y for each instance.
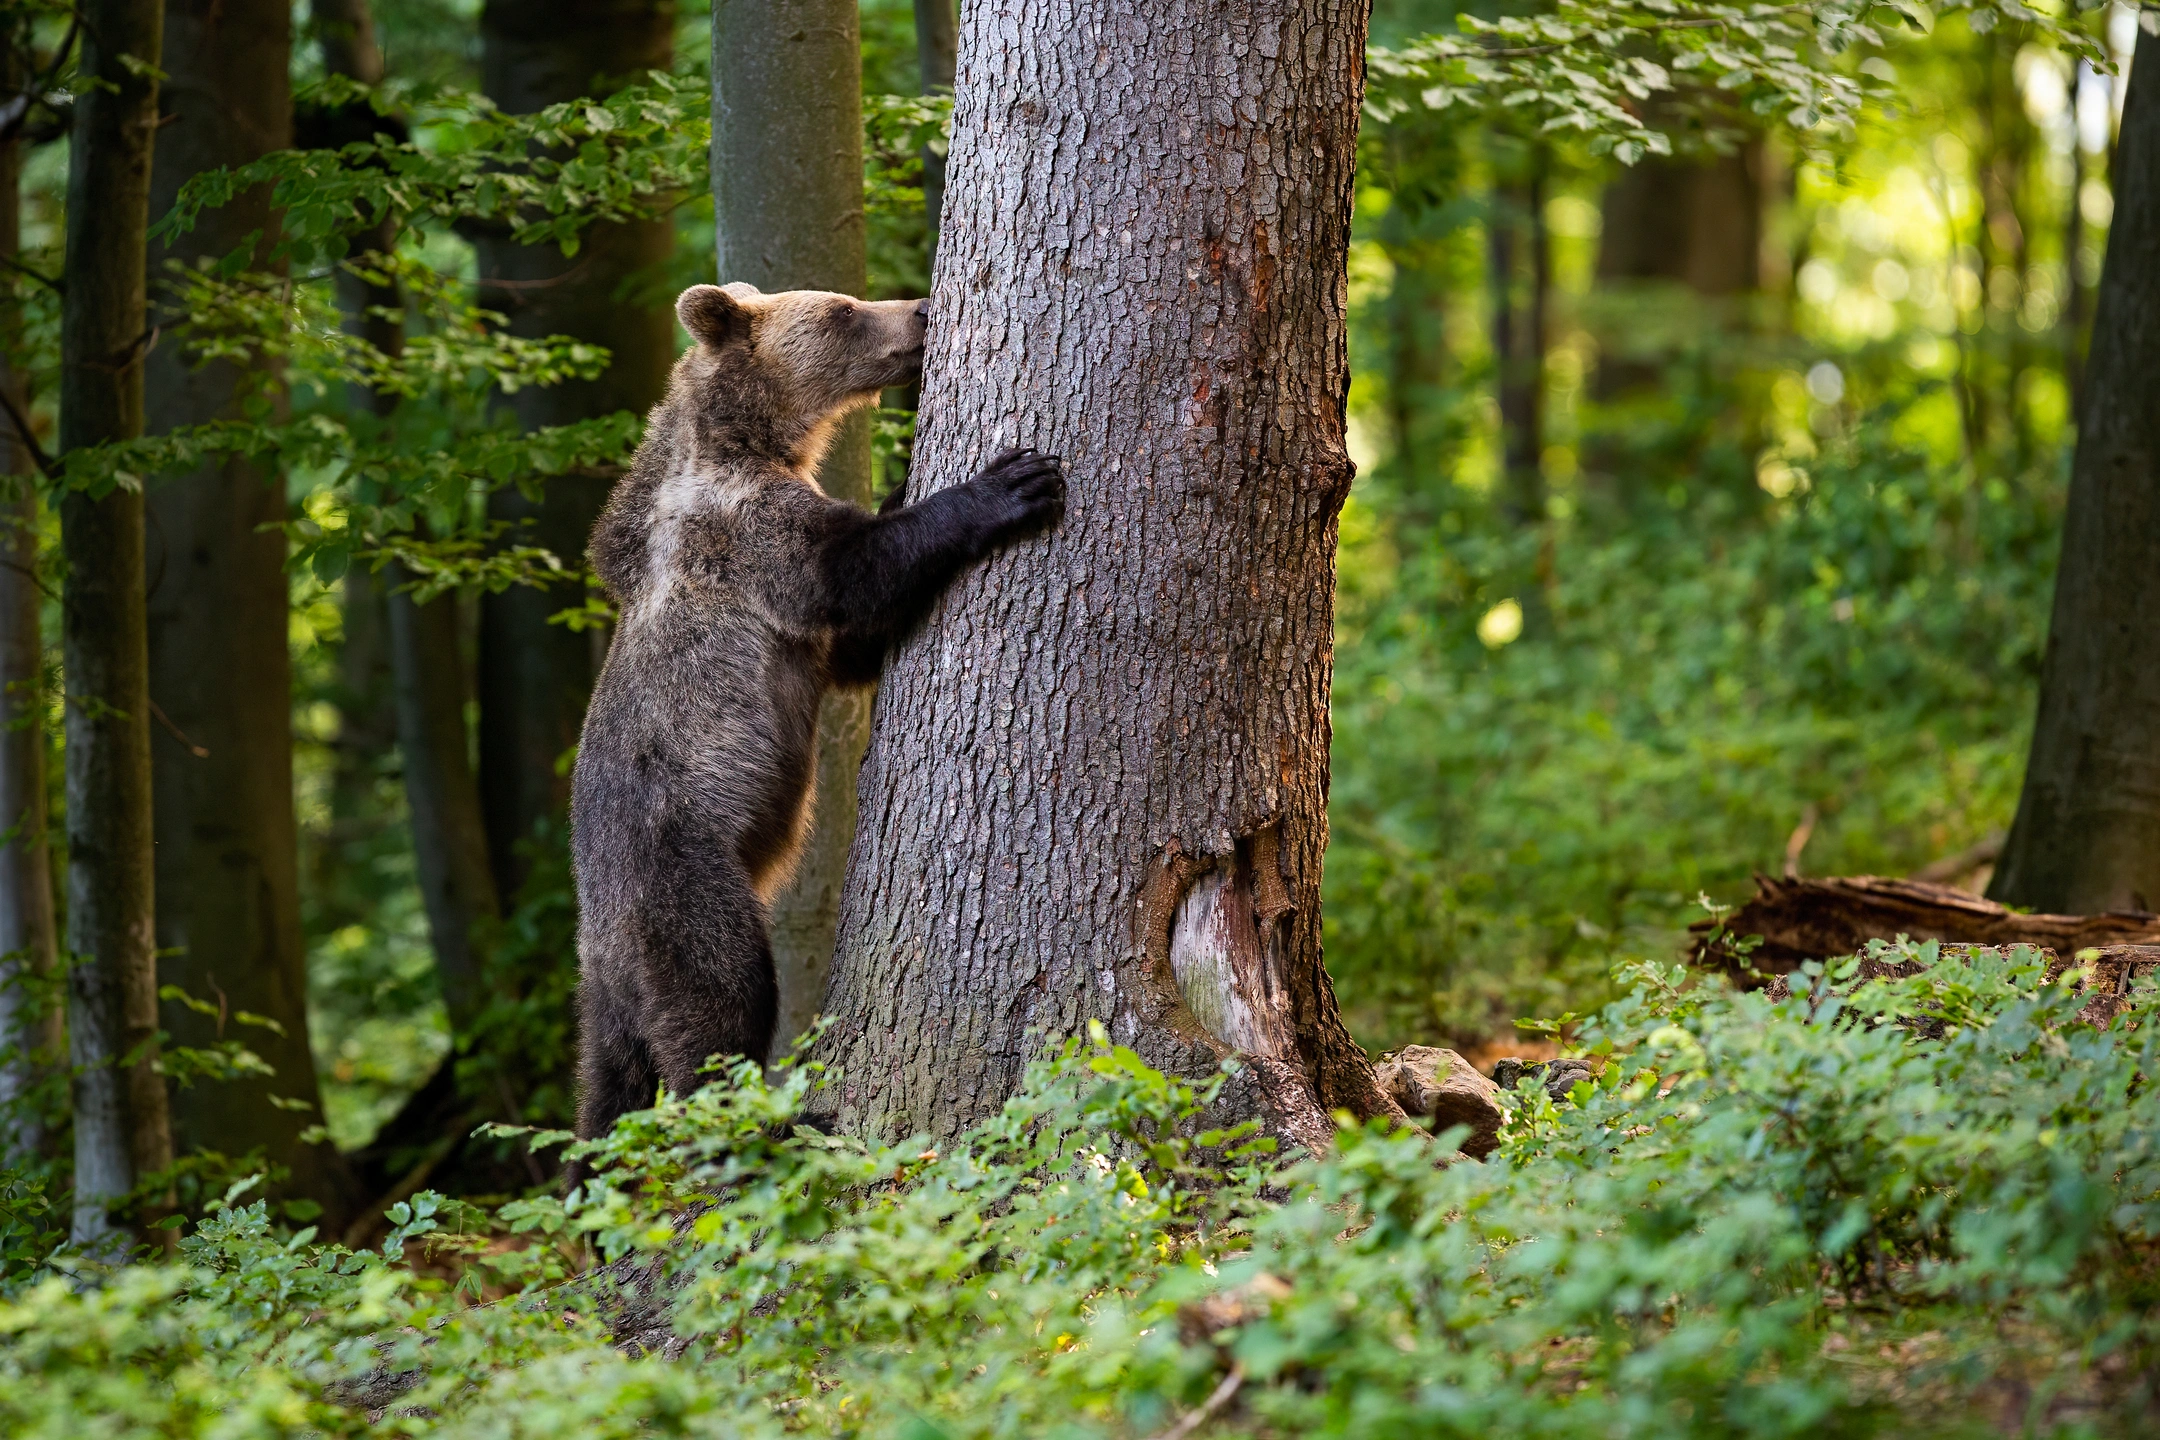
(713, 316)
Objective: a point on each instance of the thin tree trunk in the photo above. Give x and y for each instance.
(457, 885)
(1697, 221)
(1694, 222)
(1517, 240)
(1516, 234)
(228, 868)
(1097, 781)
(346, 31)
(788, 215)
(122, 1135)
(2087, 834)
(2076, 307)
(937, 55)
(30, 1032)
(534, 677)
(367, 709)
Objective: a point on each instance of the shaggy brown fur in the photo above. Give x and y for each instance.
(745, 591)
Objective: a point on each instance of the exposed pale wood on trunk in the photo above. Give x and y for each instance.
(1103, 764)
(1802, 920)
(2087, 833)
(787, 170)
(121, 1127)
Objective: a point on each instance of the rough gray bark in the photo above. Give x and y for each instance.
(788, 215)
(2087, 833)
(457, 885)
(534, 678)
(30, 1032)
(1097, 781)
(937, 56)
(228, 869)
(121, 1130)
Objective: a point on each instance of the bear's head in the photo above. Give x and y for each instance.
(793, 363)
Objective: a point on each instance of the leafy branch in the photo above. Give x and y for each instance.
(1627, 75)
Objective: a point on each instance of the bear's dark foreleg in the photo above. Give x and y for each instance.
(884, 574)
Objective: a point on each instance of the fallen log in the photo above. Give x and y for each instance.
(2105, 977)
(1801, 920)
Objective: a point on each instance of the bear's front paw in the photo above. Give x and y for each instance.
(1028, 490)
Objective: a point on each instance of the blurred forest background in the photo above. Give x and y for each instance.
(1706, 520)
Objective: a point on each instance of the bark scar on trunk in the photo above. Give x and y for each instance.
(1212, 933)
(1214, 936)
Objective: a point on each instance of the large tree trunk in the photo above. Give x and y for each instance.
(228, 881)
(121, 1130)
(1097, 781)
(788, 215)
(30, 1035)
(535, 677)
(2087, 834)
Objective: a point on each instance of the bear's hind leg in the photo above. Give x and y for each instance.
(708, 971)
(615, 1066)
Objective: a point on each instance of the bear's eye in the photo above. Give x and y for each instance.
(839, 315)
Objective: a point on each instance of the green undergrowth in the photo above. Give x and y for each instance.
(1917, 1206)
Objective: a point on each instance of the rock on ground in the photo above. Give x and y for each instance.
(1441, 1086)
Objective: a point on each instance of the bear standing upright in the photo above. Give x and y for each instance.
(744, 591)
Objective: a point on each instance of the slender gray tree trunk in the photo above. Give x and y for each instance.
(2087, 834)
(1097, 781)
(121, 1129)
(534, 678)
(937, 56)
(228, 868)
(457, 886)
(788, 212)
(30, 1031)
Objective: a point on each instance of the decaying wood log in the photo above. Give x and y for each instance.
(1801, 920)
(2105, 977)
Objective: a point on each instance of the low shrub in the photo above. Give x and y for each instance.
(1907, 1206)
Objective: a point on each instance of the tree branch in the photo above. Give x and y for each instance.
(44, 462)
(1222, 1396)
(17, 110)
(58, 287)
(177, 733)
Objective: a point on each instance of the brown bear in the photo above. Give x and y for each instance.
(744, 592)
